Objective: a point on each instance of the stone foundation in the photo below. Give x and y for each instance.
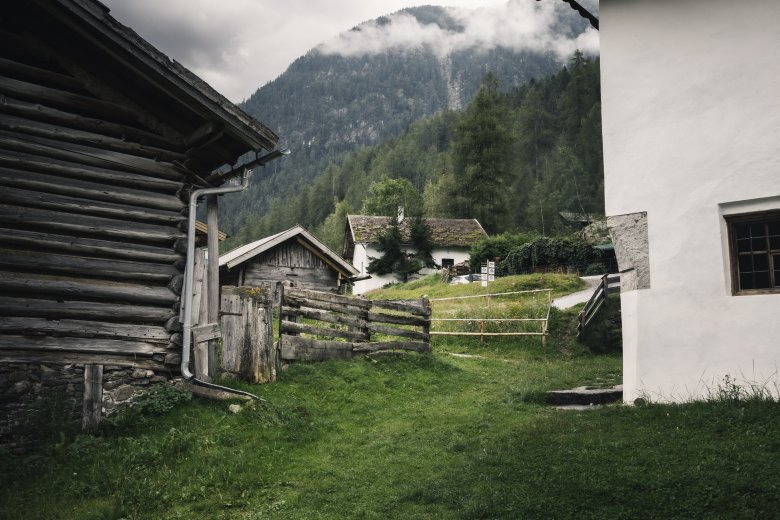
(40, 400)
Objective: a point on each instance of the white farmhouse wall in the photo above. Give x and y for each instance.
(691, 122)
(364, 252)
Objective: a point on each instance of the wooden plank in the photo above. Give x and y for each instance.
(289, 326)
(306, 349)
(63, 133)
(25, 72)
(207, 332)
(94, 247)
(84, 329)
(85, 310)
(89, 190)
(305, 294)
(23, 162)
(375, 346)
(82, 206)
(84, 288)
(89, 345)
(410, 306)
(67, 223)
(396, 319)
(395, 331)
(329, 317)
(49, 263)
(361, 312)
(65, 358)
(88, 155)
(39, 112)
(92, 401)
(212, 268)
(233, 325)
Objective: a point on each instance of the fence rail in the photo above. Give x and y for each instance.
(543, 322)
(339, 326)
(610, 283)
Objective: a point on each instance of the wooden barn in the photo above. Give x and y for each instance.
(292, 255)
(102, 138)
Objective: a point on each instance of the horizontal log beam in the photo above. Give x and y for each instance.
(77, 103)
(88, 155)
(104, 248)
(84, 289)
(84, 329)
(397, 319)
(289, 326)
(87, 345)
(321, 315)
(78, 225)
(20, 161)
(306, 349)
(333, 307)
(68, 204)
(395, 331)
(39, 112)
(37, 75)
(67, 358)
(375, 346)
(62, 133)
(305, 294)
(84, 310)
(410, 306)
(39, 262)
(88, 190)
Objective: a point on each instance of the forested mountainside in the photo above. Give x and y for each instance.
(513, 158)
(329, 104)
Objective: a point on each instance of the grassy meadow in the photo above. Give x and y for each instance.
(460, 433)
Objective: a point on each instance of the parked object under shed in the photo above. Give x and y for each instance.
(102, 138)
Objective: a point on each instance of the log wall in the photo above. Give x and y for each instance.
(91, 220)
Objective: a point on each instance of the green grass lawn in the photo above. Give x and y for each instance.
(460, 433)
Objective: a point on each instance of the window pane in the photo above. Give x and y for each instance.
(760, 262)
(745, 263)
(757, 230)
(758, 244)
(743, 245)
(774, 242)
(774, 227)
(742, 230)
(761, 280)
(746, 281)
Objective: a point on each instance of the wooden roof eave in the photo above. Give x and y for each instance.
(167, 75)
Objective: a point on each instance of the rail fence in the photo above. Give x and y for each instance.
(610, 283)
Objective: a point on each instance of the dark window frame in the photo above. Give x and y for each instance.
(769, 254)
(447, 262)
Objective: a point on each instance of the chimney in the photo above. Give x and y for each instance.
(400, 214)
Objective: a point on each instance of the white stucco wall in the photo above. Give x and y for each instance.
(360, 260)
(691, 122)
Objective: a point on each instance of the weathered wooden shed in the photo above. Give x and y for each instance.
(292, 255)
(102, 138)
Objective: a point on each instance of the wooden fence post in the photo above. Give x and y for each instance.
(92, 402)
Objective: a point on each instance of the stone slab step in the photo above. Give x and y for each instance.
(585, 396)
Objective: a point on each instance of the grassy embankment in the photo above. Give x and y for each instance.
(419, 436)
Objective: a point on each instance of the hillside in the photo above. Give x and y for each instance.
(333, 101)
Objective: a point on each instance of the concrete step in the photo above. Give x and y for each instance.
(584, 396)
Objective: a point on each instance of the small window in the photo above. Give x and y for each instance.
(754, 240)
(447, 262)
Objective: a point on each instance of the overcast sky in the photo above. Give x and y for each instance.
(238, 46)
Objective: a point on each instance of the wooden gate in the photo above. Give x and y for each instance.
(318, 326)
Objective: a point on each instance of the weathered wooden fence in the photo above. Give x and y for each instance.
(247, 333)
(318, 326)
(610, 283)
(481, 322)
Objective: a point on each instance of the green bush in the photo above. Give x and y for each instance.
(572, 254)
(498, 247)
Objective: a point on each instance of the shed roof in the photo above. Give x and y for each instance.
(214, 131)
(307, 240)
(452, 232)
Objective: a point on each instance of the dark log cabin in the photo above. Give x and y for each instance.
(102, 138)
(293, 255)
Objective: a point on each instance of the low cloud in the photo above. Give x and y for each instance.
(519, 25)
